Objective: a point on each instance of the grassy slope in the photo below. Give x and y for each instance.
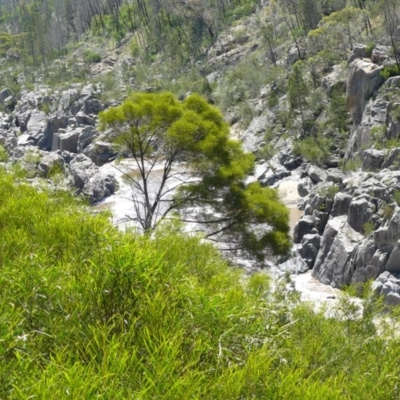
(88, 312)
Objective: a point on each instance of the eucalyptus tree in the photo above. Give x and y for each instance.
(158, 130)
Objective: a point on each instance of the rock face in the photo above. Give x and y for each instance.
(334, 261)
(364, 79)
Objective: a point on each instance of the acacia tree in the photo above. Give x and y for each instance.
(209, 189)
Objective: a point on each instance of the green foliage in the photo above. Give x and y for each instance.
(390, 71)
(91, 57)
(90, 312)
(368, 228)
(369, 48)
(3, 154)
(338, 110)
(155, 128)
(329, 191)
(313, 149)
(388, 211)
(397, 197)
(352, 165)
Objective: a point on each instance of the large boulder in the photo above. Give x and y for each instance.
(36, 124)
(49, 162)
(99, 186)
(67, 141)
(101, 152)
(360, 212)
(254, 134)
(81, 169)
(373, 159)
(364, 79)
(335, 256)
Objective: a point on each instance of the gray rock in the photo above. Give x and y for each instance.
(393, 264)
(303, 227)
(316, 174)
(393, 160)
(86, 137)
(293, 55)
(273, 175)
(380, 54)
(341, 204)
(48, 162)
(254, 134)
(92, 106)
(36, 124)
(101, 152)
(295, 265)
(99, 186)
(4, 94)
(67, 141)
(364, 79)
(304, 187)
(334, 259)
(82, 119)
(358, 52)
(373, 159)
(54, 124)
(392, 299)
(310, 245)
(335, 80)
(81, 169)
(360, 212)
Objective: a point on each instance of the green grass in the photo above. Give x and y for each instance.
(88, 312)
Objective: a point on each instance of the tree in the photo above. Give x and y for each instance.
(201, 173)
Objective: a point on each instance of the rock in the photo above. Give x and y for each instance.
(101, 153)
(392, 299)
(295, 54)
(373, 159)
(304, 186)
(334, 258)
(99, 186)
(393, 159)
(295, 265)
(358, 52)
(341, 204)
(364, 79)
(310, 245)
(86, 136)
(380, 54)
(37, 124)
(316, 174)
(360, 212)
(393, 264)
(53, 126)
(67, 141)
(335, 80)
(273, 175)
(82, 169)
(254, 134)
(82, 119)
(303, 227)
(92, 106)
(289, 161)
(4, 94)
(49, 162)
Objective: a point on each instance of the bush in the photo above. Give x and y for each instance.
(369, 48)
(91, 57)
(313, 149)
(388, 72)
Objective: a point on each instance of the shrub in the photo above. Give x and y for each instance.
(313, 149)
(91, 57)
(368, 228)
(369, 48)
(390, 71)
(330, 191)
